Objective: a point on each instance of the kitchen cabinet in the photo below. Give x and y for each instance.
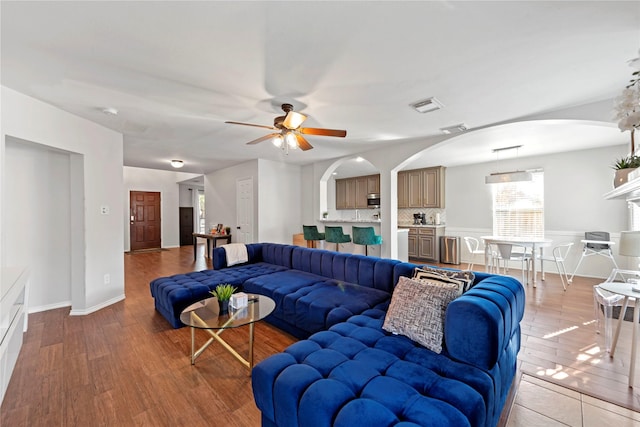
(413, 243)
(414, 185)
(424, 243)
(421, 188)
(351, 193)
(360, 201)
(403, 190)
(373, 184)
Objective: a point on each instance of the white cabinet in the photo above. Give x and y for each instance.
(13, 320)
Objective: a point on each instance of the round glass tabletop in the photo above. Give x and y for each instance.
(205, 314)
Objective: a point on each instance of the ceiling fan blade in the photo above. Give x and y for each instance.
(293, 120)
(251, 124)
(303, 143)
(263, 138)
(323, 132)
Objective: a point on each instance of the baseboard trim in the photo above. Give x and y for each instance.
(47, 307)
(97, 307)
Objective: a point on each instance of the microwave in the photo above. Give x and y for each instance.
(373, 200)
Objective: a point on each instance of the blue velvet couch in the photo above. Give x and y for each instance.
(347, 370)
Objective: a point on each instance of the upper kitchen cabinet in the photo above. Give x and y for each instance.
(351, 193)
(421, 188)
(373, 184)
(433, 187)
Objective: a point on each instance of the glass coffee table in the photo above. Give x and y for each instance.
(205, 315)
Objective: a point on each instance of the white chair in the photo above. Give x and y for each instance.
(506, 252)
(605, 301)
(558, 255)
(595, 243)
(473, 246)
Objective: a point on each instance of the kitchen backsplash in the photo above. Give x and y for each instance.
(405, 216)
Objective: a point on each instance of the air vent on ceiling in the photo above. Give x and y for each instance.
(454, 129)
(429, 104)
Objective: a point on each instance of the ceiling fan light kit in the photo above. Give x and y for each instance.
(290, 136)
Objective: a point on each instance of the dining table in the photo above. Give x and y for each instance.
(533, 243)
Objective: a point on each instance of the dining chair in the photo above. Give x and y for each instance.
(506, 252)
(473, 246)
(604, 303)
(558, 255)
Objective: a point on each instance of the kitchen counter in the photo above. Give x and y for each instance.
(421, 225)
(340, 220)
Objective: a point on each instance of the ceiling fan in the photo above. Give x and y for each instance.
(290, 133)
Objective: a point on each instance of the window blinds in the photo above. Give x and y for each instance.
(518, 208)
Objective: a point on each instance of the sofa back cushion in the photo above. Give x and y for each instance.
(219, 255)
(278, 254)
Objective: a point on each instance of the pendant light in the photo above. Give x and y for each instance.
(512, 176)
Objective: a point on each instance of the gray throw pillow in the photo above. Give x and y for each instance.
(417, 310)
(430, 274)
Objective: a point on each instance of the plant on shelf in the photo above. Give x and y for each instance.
(623, 167)
(629, 162)
(223, 293)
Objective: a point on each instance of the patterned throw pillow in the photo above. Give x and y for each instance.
(417, 310)
(465, 276)
(429, 274)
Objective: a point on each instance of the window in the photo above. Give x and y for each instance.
(202, 216)
(518, 208)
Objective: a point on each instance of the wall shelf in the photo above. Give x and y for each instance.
(627, 191)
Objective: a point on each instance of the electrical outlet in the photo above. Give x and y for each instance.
(107, 279)
(104, 210)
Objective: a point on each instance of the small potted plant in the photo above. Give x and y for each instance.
(622, 167)
(223, 293)
(325, 215)
(227, 230)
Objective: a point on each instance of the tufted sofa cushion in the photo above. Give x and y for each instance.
(357, 371)
(172, 294)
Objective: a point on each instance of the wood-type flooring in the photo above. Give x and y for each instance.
(124, 365)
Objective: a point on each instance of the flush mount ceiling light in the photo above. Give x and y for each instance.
(513, 176)
(454, 129)
(177, 163)
(427, 105)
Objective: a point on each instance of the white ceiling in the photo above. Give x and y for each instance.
(175, 71)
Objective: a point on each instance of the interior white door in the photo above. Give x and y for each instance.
(244, 210)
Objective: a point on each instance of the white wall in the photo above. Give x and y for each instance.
(279, 201)
(164, 182)
(95, 174)
(39, 194)
(220, 195)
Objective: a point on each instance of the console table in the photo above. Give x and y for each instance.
(209, 237)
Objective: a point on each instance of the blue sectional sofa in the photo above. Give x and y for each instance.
(347, 370)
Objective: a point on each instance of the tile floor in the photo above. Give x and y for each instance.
(541, 403)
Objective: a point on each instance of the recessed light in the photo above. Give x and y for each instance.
(427, 105)
(359, 159)
(177, 163)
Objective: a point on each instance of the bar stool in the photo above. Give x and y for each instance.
(312, 235)
(365, 236)
(335, 235)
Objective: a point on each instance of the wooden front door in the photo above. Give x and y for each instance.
(144, 220)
